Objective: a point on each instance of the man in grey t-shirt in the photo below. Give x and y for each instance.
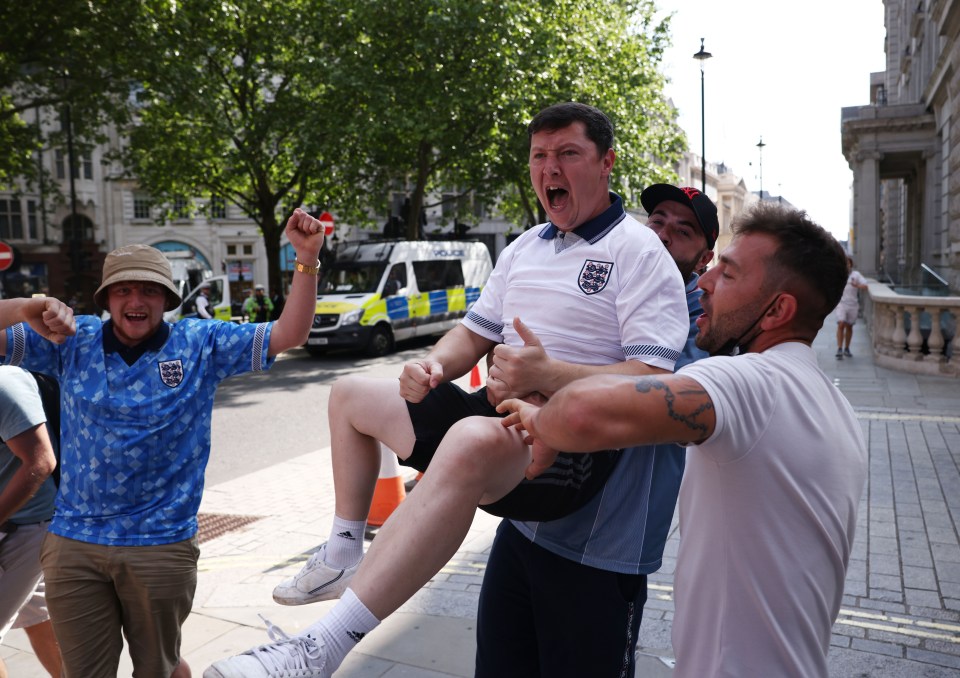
(27, 458)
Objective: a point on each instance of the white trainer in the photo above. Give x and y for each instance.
(287, 657)
(315, 581)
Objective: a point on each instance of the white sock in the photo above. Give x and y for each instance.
(345, 545)
(342, 628)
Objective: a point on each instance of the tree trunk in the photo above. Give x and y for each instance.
(414, 222)
(271, 243)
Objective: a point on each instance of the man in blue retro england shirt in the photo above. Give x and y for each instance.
(136, 398)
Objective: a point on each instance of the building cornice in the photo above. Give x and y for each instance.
(899, 120)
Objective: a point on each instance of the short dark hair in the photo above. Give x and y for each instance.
(806, 253)
(559, 116)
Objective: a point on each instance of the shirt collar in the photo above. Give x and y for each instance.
(152, 343)
(595, 228)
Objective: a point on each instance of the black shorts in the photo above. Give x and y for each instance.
(563, 488)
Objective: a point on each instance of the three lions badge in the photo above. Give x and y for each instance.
(171, 372)
(594, 275)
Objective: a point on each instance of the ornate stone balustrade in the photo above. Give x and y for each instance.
(912, 333)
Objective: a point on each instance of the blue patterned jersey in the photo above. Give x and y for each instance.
(135, 439)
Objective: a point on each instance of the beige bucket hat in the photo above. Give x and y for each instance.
(137, 263)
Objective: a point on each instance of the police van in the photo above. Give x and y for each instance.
(218, 294)
(378, 293)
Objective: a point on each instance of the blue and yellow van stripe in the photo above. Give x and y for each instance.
(402, 310)
(406, 310)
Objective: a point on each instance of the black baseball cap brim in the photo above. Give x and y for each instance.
(703, 208)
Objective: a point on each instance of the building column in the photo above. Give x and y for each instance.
(866, 213)
(932, 226)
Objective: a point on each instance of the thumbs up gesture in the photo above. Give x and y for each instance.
(519, 371)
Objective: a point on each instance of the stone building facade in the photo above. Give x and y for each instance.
(904, 150)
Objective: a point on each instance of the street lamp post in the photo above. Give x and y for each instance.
(702, 56)
(760, 146)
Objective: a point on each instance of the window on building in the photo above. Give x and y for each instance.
(32, 227)
(457, 205)
(449, 206)
(84, 165)
(141, 206)
(181, 208)
(396, 204)
(248, 250)
(11, 220)
(231, 250)
(218, 207)
(78, 228)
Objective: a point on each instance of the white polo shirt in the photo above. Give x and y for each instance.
(606, 292)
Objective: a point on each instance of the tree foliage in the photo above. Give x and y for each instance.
(274, 104)
(59, 53)
(236, 104)
(430, 96)
(603, 53)
(444, 101)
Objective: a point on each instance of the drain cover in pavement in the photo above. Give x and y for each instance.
(213, 525)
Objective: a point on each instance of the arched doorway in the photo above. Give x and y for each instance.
(189, 266)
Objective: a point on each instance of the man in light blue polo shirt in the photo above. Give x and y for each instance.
(137, 397)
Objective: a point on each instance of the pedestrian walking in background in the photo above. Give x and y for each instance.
(848, 309)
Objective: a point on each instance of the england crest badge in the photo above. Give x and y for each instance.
(594, 275)
(171, 372)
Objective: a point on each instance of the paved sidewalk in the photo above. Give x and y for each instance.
(901, 612)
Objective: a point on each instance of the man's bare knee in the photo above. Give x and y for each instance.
(373, 407)
(481, 450)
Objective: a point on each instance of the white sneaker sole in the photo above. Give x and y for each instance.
(289, 595)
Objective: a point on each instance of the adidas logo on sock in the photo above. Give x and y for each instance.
(346, 534)
(356, 636)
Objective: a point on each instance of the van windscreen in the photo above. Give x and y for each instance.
(438, 274)
(353, 277)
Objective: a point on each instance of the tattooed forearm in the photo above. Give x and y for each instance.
(685, 406)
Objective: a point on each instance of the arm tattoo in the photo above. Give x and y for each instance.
(688, 419)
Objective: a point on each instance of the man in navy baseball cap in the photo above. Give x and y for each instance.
(703, 208)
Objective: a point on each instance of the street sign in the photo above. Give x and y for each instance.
(326, 220)
(6, 256)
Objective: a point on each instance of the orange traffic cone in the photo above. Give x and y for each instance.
(390, 490)
(475, 377)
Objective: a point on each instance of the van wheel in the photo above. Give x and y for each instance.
(381, 341)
